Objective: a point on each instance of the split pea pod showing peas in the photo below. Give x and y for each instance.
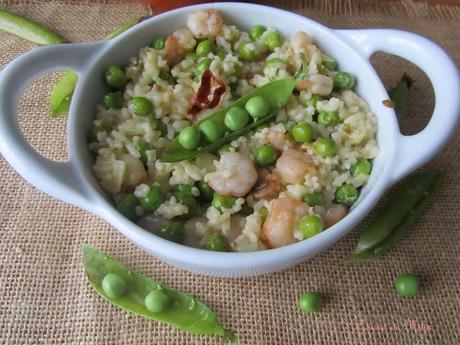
(28, 29)
(141, 295)
(62, 91)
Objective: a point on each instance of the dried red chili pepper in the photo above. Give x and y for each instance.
(202, 99)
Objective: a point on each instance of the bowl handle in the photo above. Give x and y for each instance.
(415, 150)
(57, 179)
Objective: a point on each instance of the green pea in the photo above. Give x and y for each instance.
(156, 301)
(182, 187)
(314, 199)
(94, 130)
(236, 118)
(271, 62)
(256, 31)
(202, 65)
(166, 76)
(310, 226)
(302, 132)
(246, 210)
(325, 147)
(272, 40)
(257, 107)
(114, 286)
(362, 166)
(223, 201)
(154, 198)
(141, 106)
(142, 146)
(189, 137)
(328, 118)
(158, 43)
(263, 213)
(346, 194)
(313, 100)
(237, 72)
(127, 207)
(330, 64)
(161, 127)
(265, 155)
(216, 242)
(407, 285)
(221, 55)
(310, 302)
(211, 130)
(187, 199)
(172, 231)
(248, 51)
(115, 77)
(191, 56)
(204, 48)
(113, 100)
(344, 81)
(206, 192)
(224, 148)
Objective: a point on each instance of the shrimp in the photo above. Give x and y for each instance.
(334, 214)
(135, 173)
(300, 41)
(319, 84)
(235, 176)
(205, 23)
(293, 166)
(279, 140)
(268, 185)
(278, 229)
(177, 44)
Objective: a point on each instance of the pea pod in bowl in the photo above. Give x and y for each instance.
(143, 296)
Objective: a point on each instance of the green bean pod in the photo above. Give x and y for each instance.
(184, 311)
(399, 94)
(276, 93)
(28, 29)
(401, 211)
(62, 91)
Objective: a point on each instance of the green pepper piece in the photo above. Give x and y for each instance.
(62, 91)
(401, 229)
(399, 94)
(185, 312)
(398, 213)
(28, 29)
(276, 93)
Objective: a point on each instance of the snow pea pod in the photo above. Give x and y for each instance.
(62, 91)
(28, 29)
(184, 311)
(276, 93)
(397, 215)
(399, 94)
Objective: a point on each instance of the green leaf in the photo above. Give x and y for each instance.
(276, 93)
(62, 92)
(185, 312)
(302, 73)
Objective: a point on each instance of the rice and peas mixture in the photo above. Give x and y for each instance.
(282, 182)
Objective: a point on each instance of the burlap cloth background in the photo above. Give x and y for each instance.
(45, 297)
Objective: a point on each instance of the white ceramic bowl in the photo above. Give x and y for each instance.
(73, 181)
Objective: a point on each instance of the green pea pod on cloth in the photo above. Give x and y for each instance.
(276, 93)
(182, 310)
(401, 210)
(28, 29)
(62, 91)
(399, 94)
